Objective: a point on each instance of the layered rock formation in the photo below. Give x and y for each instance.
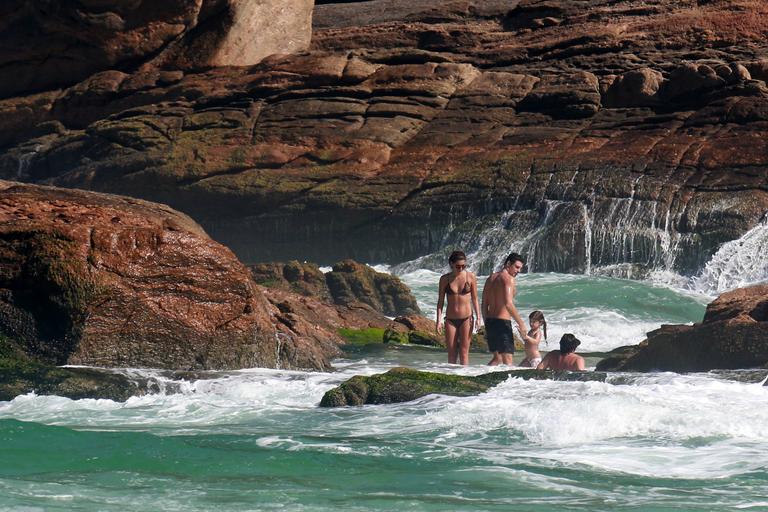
(51, 43)
(104, 280)
(733, 334)
(585, 133)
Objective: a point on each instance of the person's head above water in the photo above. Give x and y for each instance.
(568, 343)
(538, 316)
(457, 260)
(514, 264)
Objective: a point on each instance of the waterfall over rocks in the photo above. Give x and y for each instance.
(635, 237)
(737, 263)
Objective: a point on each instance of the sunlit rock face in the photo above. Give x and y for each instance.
(51, 43)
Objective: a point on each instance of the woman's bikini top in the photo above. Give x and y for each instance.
(467, 289)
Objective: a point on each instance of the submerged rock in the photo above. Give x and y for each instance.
(733, 335)
(19, 378)
(404, 384)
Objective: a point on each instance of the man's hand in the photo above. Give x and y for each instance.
(523, 329)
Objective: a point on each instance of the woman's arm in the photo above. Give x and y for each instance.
(476, 301)
(440, 301)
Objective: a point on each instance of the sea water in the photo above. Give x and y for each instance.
(257, 440)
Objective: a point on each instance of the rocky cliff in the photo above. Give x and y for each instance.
(103, 280)
(586, 133)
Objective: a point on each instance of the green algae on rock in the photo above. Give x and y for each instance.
(405, 384)
(20, 374)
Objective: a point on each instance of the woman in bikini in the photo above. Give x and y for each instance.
(460, 287)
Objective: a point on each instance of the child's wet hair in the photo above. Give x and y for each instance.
(538, 316)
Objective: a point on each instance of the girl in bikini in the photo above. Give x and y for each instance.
(460, 288)
(533, 338)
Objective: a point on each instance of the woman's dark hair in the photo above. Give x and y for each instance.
(568, 343)
(539, 316)
(512, 258)
(456, 256)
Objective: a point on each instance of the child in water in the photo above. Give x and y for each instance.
(533, 338)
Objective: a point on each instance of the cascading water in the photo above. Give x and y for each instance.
(25, 160)
(737, 263)
(603, 235)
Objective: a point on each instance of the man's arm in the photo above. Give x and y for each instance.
(484, 306)
(544, 362)
(579, 363)
(475, 304)
(509, 297)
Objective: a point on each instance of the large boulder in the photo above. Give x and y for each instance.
(733, 335)
(405, 384)
(636, 88)
(49, 43)
(102, 280)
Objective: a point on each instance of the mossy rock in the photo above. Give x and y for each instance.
(395, 336)
(424, 338)
(362, 336)
(22, 376)
(405, 384)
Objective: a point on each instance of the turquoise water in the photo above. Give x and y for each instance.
(256, 440)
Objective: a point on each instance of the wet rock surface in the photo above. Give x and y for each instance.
(600, 132)
(101, 280)
(404, 384)
(733, 335)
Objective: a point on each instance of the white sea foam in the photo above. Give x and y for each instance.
(737, 263)
(694, 426)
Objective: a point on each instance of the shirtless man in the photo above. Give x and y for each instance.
(565, 358)
(499, 308)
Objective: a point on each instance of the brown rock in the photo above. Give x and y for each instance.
(350, 282)
(690, 79)
(303, 278)
(48, 44)
(636, 88)
(104, 280)
(733, 335)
